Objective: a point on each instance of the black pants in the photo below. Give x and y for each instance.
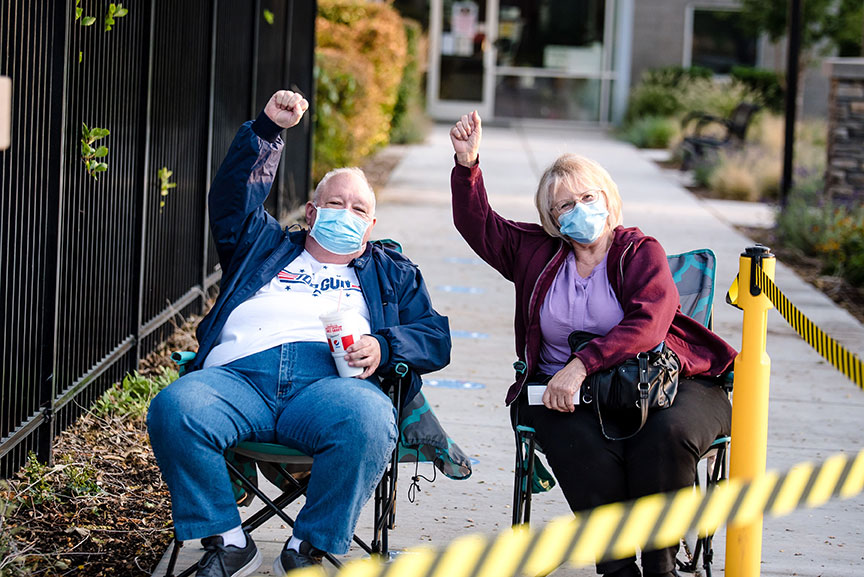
(593, 470)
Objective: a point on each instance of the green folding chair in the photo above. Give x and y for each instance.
(421, 439)
(693, 273)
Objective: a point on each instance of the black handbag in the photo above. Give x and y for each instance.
(637, 386)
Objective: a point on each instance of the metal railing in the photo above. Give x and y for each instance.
(94, 271)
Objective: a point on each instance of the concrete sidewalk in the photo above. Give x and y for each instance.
(814, 410)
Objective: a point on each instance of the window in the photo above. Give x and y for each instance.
(720, 41)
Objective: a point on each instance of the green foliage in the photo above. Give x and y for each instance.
(361, 54)
(114, 11)
(37, 488)
(165, 185)
(766, 83)
(79, 15)
(822, 20)
(339, 97)
(90, 155)
(651, 132)
(409, 119)
(674, 76)
(79, 480)
(834, 234)
(269, 17)
(131, 398)
(11, 559)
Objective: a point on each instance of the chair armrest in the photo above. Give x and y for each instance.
(181, 359)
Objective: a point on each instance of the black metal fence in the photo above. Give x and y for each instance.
(92, 272)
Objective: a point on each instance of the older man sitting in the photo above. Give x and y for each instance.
(264, 371)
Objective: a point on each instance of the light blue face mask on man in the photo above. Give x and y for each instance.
(339, 230)
(585, 223)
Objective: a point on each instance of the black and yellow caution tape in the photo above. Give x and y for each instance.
(832, 351)
(616, 530)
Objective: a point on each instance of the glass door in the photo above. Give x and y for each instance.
(554, 59)
(462, 57)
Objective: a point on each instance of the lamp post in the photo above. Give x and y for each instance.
(792, 58)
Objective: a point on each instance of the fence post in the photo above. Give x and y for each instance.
(750, 409)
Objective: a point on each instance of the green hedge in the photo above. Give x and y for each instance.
(361, 55)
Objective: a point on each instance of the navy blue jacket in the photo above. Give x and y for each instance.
(253, 248)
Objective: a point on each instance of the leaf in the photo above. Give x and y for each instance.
(88, 21)
(102, 167)
(80, 56)
(86, 149)
(78, 12)
(268, 17)
(120, 11)
(101, 151)
(171, 185)
(85, 132)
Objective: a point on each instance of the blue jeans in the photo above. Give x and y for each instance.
(290, 395)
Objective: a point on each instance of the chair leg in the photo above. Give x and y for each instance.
(173, 560)
(523, 476)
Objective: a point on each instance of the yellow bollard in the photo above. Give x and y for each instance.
(748, 450)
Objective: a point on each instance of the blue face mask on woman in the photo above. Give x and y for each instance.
(585, 222)
(339, 230)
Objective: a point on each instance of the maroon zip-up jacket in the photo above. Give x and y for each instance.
(638, 272)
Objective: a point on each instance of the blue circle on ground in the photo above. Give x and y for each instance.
(462, 260)
(468, 335)
(460, 289)
(452, 384)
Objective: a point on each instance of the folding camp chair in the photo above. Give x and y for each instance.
(693, 273)
(421, 439)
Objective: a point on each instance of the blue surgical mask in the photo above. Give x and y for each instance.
(339, 230)
(585, 223)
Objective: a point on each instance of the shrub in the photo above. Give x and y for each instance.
(131, 397)
(357, 30)
(717, 98)
(341, 98)
(764, 82)
(834, 234)
(747, 174)
(409, 119)
(651, 132)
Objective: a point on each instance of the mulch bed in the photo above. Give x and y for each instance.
(122, 529)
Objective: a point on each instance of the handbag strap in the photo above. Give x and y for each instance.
(644, 387)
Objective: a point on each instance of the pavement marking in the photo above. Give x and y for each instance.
(468, 335)
(452, 384)
(460, 289)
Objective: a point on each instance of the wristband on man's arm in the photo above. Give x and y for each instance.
(266, 128)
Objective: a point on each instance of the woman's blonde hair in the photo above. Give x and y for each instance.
(577, 173)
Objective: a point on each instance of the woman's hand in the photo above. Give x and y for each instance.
(465, 136)
(563, 386)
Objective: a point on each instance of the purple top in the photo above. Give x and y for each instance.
(572, 304)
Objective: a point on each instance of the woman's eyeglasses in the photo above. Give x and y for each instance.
(587, 197)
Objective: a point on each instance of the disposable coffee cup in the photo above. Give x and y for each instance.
(342, 328)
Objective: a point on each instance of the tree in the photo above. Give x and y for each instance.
(835, 22)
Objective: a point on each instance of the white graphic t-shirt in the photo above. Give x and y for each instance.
(286, 310)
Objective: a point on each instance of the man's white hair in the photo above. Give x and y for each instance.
(336, 172)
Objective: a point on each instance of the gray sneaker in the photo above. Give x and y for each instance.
(230, 561)
(290, 559)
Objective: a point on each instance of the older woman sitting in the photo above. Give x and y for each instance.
(582, 270)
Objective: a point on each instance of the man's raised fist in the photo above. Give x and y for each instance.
(286, 108)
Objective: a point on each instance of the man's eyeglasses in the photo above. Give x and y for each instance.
(587, 197)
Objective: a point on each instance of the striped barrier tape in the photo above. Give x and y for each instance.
(832, 351)
(617, 529)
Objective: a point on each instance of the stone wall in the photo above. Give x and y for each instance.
(844, 178)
